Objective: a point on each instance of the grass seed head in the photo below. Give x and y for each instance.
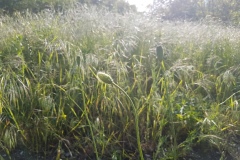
(105, 78)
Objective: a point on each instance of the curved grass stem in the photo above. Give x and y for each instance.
(105, 78)
(136, 121)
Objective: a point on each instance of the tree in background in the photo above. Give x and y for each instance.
(177, 9)
(10, 6)
(225, 10)
(182, 9)
(119, 6)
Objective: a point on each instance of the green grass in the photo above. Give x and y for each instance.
(52, 102)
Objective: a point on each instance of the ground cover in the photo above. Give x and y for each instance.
(183, 79)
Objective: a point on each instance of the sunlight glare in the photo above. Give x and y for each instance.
(140, 4)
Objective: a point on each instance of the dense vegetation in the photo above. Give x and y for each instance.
(12, 6)
(223, 10)
(183, 79)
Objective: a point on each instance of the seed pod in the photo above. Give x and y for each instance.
(105, 78)
(159, 52)
(78, 60)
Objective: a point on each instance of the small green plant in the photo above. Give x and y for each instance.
(105, 78)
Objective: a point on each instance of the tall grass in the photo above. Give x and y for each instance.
(52, 103)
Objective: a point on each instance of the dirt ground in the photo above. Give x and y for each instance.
(23, 154)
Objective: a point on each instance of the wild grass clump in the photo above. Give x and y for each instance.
(185, 94)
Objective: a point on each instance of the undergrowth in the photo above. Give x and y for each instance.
(185, 94)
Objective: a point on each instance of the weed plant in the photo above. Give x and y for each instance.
(52, 103)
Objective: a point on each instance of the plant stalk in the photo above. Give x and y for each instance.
(136, 121)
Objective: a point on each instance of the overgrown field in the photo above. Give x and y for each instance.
(184, 98)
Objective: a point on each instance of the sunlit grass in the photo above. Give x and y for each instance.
(52, 103)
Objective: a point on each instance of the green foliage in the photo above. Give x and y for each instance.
(119, 6)
(224, 10)
(185, 92)
(11, 6)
